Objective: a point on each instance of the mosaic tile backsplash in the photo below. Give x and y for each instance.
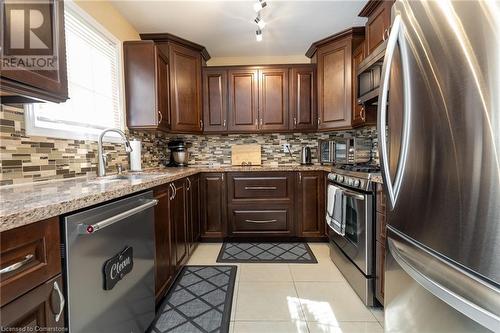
(25, 158)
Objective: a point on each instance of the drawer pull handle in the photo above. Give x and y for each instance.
(17, 265)
(260, 187)
(261, 221)
(61, 301)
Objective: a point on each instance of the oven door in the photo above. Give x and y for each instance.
(357, 243)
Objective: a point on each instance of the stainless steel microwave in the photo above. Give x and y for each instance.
(352, 150)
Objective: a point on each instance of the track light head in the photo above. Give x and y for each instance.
(258, 35)
(260, 22)
(259, 5)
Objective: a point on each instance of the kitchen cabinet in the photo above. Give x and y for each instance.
(185, 89)
(22, 85)
(310, 204)
(163, 83)
(260, 204)
(380, 236)
(273, 99)
(41, 308)
(243, 100)
(34, 249)
(214, 100)
(377, 27)
(193, 211)
(359, 115)
(147, 86)
(178, 211)
(213, 206)
(303, 115)
(164, 252)
(334, 58)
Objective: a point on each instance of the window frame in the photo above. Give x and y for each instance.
(29, 109)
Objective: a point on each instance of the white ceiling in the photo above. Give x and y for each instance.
(226, 28)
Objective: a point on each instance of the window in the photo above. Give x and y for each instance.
(93, 61)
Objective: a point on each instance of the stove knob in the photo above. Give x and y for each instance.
(334, 177)
(349, 182)
(340, 179)
(357, 183)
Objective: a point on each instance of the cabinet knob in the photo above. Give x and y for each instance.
(201, 124)
(362, 113)
(224, 123)
(294, 121)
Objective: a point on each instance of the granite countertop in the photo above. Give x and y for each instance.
(377, 179)
(28, 203)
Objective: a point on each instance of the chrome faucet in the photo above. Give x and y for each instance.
(102, 158)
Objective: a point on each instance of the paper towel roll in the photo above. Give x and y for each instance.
(135, 155)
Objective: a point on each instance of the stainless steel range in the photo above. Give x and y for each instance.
(350, 216)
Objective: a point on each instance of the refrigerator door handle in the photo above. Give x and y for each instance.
(459, 289)
(397, 36)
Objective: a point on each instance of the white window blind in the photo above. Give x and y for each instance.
(93, 82)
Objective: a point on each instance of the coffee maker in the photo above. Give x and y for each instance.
(179, 154)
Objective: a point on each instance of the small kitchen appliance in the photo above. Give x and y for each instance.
(352, 150)
(305, 156)
(326, 151)
(179, 154)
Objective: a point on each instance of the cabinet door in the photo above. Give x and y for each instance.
(42, 307)
(185, 89)
(334, 85)
(303, 113)
(379, 271)
(214, 100)
(273, 99)
(358, 111)
(165, 254)
(193, 190)
(311, 204)
(49, 85)
(178, 210)
(243, 100)
(378, 25)
(163, 90)
(213, 205)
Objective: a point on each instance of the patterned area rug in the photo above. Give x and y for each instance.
(266, 253)
(199, 301)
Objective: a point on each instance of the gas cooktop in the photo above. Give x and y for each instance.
(370, 168)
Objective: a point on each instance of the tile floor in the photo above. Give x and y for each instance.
(275, 298)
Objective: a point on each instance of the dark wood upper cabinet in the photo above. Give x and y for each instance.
(213, 206)
(273, 99)
(243, 100)
(358, 110)
(303, 113)
(185, 89)
(23, 85)
(310, 206)
(146, 86)
(378, 25)
(214, 100)
(335, 77)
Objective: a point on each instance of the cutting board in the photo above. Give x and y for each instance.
(246, 153)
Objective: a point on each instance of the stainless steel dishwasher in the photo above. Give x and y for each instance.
(109, 266)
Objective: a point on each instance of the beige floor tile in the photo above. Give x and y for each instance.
(235, 300)
(320, 250)
(231, 327)
(270, 327)
(345, 327)
(205, 254)
(323, 271)
(267, 301)
(331, 302)
(265, 273)
(379, 314)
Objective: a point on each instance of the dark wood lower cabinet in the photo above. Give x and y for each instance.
(41, 307)
(193, 211)
(178, 211)
(310, 204)
(379, 271)
(213, 206)
(249, 221)
(164, 266)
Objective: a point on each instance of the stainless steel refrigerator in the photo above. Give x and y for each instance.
(439, 144)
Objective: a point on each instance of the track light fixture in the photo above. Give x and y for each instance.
(260, 22)
(258, 35)
(259, 5)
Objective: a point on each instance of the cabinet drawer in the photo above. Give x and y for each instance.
(42, 307)
(260, 221)
(274, 187)
(29, 256)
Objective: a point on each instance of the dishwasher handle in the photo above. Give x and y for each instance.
(87, 229)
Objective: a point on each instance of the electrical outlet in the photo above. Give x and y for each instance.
(286, 147)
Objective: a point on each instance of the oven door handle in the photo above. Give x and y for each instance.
(354, 195)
